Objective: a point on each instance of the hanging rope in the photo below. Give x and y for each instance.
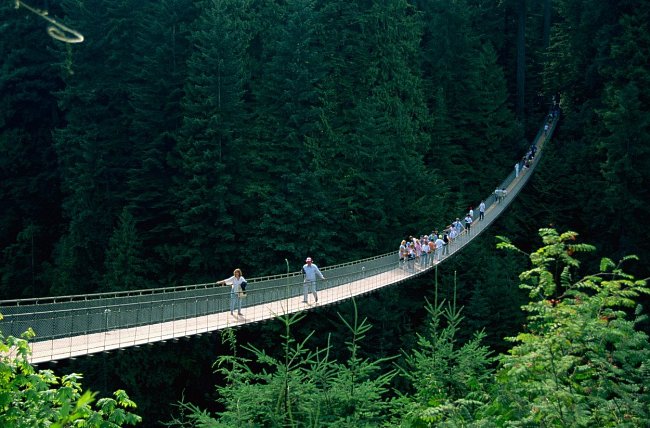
(57, 30)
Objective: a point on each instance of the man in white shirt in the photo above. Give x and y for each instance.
(440, 244)
(468, 223)
(310, 271)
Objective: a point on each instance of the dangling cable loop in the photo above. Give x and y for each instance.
(57, 30)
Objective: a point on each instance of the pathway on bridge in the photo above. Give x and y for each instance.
(73, 326)
(57, 349)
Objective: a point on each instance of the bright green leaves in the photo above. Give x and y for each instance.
(552, 263)
(30, 398)
(450, 379)
(301, 386)
(579, 362)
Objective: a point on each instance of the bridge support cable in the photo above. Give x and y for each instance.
(71, 326)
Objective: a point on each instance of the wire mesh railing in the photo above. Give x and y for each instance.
(133, 317)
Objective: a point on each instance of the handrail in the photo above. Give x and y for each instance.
(163, 290)
(156, 290)
(82, 315)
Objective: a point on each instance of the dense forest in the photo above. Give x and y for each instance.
(184, 138)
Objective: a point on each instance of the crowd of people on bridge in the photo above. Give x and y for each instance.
(429, 249)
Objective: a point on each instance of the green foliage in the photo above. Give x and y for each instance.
(31, 398)
(580, 361)
(209, 140)
(301, 388)
(93, 149)
(466, 93)
(158, 68)
(124, 265)
(597, 61)
(450, 381)
(625, 141)
(29, 194)
(237, 128)
(284, 182)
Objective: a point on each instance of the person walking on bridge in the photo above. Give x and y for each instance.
(468, 223)
(459, 226)
(310, 271)
(440, 246)
(237, 290)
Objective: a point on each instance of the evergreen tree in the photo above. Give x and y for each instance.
(30, 216)
(285, 199)
(158, 64)
(449, 381)
(124, 264)
(625, 141)
(210, 141)
(521, 59)
(595, 65)
(493, 126)
(374, 124)
(303, 387)
(447, 52)
(94, 148)
(472, 126)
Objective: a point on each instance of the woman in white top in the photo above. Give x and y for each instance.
(236, 290)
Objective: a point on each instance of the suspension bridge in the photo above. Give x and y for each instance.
(78, 325)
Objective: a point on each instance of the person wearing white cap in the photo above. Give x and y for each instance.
(310, 271)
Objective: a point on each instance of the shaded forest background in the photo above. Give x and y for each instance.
(185, 138)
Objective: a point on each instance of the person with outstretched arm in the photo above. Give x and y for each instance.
(237, 290)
